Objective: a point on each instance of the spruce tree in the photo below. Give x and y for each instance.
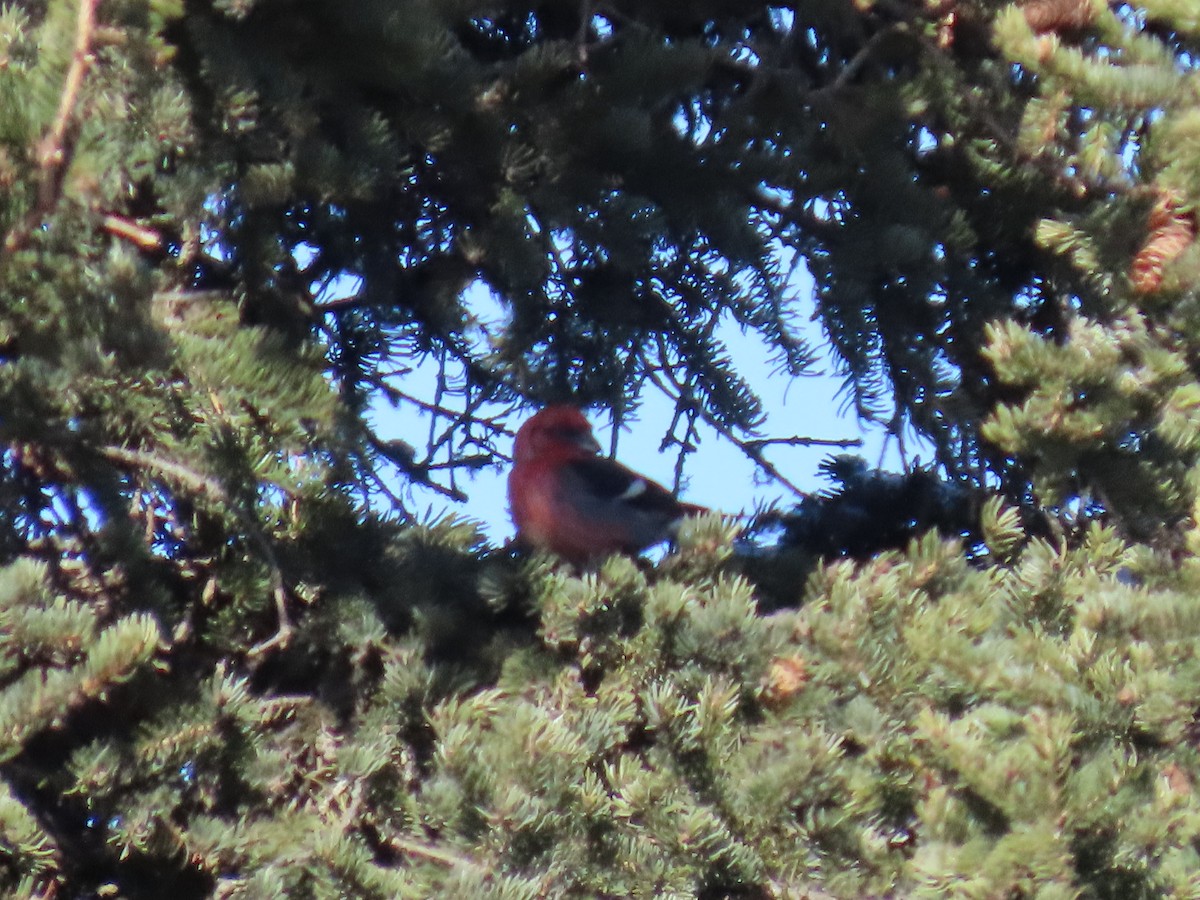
(235, 663)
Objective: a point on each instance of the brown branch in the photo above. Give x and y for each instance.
(860, 59)
(284, 630)
(53, 153)
(581, 36)
(472, 462)
(354, 301)
(755, 454)
(140, 236)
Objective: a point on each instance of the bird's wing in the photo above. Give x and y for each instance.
(606, 481)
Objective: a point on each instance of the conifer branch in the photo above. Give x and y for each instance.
(201, 484)
(212, 490)
(53, 153)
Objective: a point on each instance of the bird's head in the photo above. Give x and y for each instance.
(560, 428)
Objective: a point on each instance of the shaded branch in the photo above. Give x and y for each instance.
(797, 441)
(495, 423)
(752, 452)
(403, 455)
(197, 482)
(211, 489)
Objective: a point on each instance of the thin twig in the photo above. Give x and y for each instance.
(859, 60)
(494, 423)
(682, 397)
(343, 304)
(472, 462)
(409, 847)
(139, 235)
(755, 454)
(686, 446)
(797, 441)
(401, 455)
(284, 629)
(581, 37)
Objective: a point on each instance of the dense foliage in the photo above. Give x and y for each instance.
(233, 663)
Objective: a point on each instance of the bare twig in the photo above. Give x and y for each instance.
(687, 444)
(284, 630)
(797, 441)
(581, 37)
(421, 850)
(401, 455)
(398, 396)
(473, 462)
(354, 301)
(755, 454)
(139, 235)
(859, 60)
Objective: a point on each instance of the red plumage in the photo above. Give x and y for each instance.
(569, 500)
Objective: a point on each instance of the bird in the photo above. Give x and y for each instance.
(568, 499)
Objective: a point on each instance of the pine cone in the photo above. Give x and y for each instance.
(1057, 16)
(1170, 231)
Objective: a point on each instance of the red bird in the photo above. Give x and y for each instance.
(567, 498)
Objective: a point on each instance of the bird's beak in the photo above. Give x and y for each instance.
(589, 443)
